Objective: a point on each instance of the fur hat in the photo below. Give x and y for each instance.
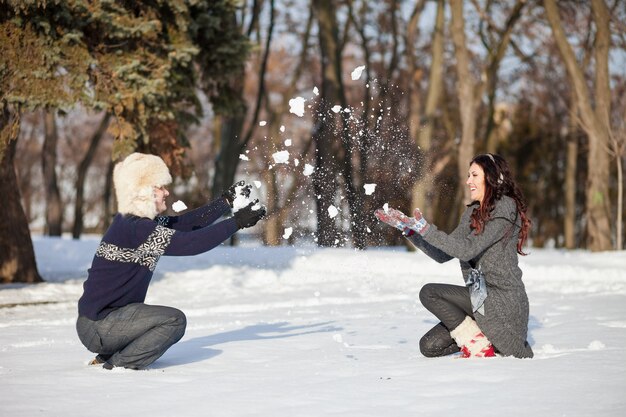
(135, 178)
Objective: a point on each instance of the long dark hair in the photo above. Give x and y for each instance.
(499, 182)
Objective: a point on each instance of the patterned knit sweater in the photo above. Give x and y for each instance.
(130, 249)
(505, 322)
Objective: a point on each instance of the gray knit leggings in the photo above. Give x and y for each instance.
(133, 336)
(450, 303)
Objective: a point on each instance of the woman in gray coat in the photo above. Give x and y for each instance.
(490, 314)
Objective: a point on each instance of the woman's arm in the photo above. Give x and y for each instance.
(467, 247)
(200, 240)
(197, 218)
(462, 229)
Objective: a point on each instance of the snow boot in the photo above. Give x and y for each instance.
(471, 340)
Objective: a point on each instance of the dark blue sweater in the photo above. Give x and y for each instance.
(130, 249)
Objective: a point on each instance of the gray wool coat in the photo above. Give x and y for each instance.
(505, 322)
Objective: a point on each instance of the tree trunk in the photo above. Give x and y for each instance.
(81, 175)
(465, 88)
(54, 206)
(594, 122)
(17, 257)
(569, 221)
(106, 197)
(422, 189)
(327, 147)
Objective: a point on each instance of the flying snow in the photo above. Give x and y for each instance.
(308, 169)
(288, 142)
(296, 106)
(336, 108)
(288, 232)
(316, 91)
(262, 123)
(369, 188)
(281, 157)
(356, 73)
(243, 157)
(332, 211)
(179, 206)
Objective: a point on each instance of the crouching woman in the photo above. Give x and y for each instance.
(489, 314)
(114, 322)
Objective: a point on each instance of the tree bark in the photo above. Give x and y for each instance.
(465, 88)
(54, 206)
(327, 165)
(17, 256)
(81, 175)
(594, 122)
(422, 189)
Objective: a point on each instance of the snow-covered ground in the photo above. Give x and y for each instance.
(317, 332)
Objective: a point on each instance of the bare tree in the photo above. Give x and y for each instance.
(81, 175)
(595, 121)
(54, 206)
(17, 257)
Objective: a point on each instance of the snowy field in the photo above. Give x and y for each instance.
(316, 332)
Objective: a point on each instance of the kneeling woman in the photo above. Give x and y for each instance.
(490, 314)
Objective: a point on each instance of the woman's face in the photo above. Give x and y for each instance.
(476, 182)
(160, 194)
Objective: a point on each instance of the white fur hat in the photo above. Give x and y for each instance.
(135, 178)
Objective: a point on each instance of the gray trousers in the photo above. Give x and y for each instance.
(450, 303)
(133, 336)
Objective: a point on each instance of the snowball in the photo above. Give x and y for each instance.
(179, 206)
(369, 188)
(281, 157)
(243, 157)
(257, 184)
(336, 108)
(296, 106)
(288, 232)
(316, 91)
(356, 73)
(262, 123)
(308, 169)
(332, 211)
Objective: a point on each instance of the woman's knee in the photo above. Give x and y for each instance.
(427, 294)
(179, 321)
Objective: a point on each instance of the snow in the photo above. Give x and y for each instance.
(369, 188)
(356, 73)
(243, 157)
(262, 123)
(281, 157)
(296, 106)
(336, 108)
(303, 331)
(308, 170)
(332, 211)
(288, 232)
(316, 91)
(179, 206)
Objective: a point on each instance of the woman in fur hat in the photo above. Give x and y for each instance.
(113, 320)
(490, 314)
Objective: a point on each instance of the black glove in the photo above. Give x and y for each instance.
(248, 217)
(231, 193)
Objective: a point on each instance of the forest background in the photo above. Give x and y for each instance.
(207, 85)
